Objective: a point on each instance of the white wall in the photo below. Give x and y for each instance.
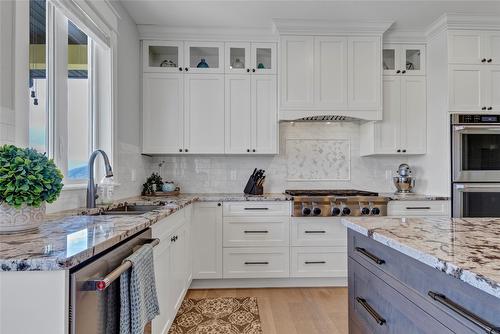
(434, 167)
(321, 153)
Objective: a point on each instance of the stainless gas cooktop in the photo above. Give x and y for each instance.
(337, 202)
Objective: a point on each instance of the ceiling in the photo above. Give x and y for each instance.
(408, 15)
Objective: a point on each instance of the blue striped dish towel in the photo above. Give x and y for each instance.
(138, 299)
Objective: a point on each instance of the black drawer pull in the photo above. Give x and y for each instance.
(265, 262)
(418, 208)
(314, 231)
(315, 262)
(256, 208)
(370, 255)
(371, 311)
(476, 320)
(256, 231)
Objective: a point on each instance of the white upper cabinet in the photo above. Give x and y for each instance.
(264, 114)
(237, 58)
(403, 59)
(204, 57)
(493, 89)
(297, 72)
(474, 47)
(364, 73)
(163, 113)
(403, 129)
(324, 73)
(204, 113)
(253, 58)
(263, 58)
(466, 91)
(330, 71)
(163, 56)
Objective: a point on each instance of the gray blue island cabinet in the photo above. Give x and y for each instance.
(423, 276)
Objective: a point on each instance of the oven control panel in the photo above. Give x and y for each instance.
(477, 119)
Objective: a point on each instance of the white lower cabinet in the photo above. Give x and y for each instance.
(207, 240)
(418, 208)
(172, 260)
(318, 261)
(318, 232)
(256, 231)
(256, 262)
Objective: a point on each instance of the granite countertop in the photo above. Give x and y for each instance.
(414, 197)
(466, 248)
(70, 237)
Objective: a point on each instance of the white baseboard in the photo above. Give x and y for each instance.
(267, 283)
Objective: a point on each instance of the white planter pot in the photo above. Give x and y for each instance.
(22, 219)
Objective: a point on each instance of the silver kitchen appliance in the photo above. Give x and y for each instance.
(475, 151)
(95, 288)
(404, 181)
(333, 203)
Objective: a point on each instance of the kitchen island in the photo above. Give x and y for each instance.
(424, 275)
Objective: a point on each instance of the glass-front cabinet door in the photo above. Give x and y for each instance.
(390, 59)
(263, 58)
(163, 56)
(237, 57)
(204, 57)
(413, 59)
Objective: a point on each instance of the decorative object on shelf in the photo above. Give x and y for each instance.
(168, 63)
(255, 184)
(261, 66)
(202, 64)
(28, 180)
(409, 65)
(153, 183)
(238, 63)
(403, 181)
(168, 186)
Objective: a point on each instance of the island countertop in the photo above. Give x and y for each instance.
(70, 237)
(465, 248)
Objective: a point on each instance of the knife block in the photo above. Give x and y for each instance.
(252, 188)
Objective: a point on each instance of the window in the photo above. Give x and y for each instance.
(70, 103)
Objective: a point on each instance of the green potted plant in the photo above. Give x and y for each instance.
(28, 180)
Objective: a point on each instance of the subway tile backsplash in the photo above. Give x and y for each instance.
(312, 155)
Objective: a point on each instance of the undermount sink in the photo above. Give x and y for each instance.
(130, 209)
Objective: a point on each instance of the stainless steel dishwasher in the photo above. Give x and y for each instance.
(95, 289)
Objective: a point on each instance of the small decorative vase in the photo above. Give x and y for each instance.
(168, 186)
(238, 63)
(202, 63)
(25, 218)
(261, 66)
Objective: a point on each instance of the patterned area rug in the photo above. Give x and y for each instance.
(223, 315)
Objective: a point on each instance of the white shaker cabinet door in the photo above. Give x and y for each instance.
(206, 240)
(364, 73)
(264, 112)
(297, 71)
(492, 87)
(465, 47)
(163, 115)
(492, 47)
(467, 93)
(330, 72)
(388, 131)
(163, 276)
(238, 113)
(204, 112)
(413, 115)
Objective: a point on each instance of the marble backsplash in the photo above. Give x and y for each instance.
(312, 155)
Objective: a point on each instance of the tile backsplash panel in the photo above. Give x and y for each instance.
(312, 155)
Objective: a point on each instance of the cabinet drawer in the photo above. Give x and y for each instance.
(421, 278)
(256, 231)
(262, 262)
(318, 262)
(375, 307)
(418, 208)
(318, 232)
(257, 208)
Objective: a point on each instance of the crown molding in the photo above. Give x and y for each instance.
(404, 36)
(327, 27)
(453, 21)
(151, 32)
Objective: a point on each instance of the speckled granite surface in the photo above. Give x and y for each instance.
(68, 238)
(467, 248)
(414, 197)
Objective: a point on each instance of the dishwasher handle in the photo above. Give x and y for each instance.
(102, 284)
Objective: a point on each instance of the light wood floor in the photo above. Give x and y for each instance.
(294, 310)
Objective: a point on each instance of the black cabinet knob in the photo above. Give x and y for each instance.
(180, 150)
(186, 69)
(483, 108)
(218, 204)
(248, 150)
(404, 151)
(399, 151)
(186, 150)
(483, 60)
(403, 71)
(180, 68)
(253, 69)
(489, 60)
(248, 70)
(490, 108)
(398, 71)
(253, 150)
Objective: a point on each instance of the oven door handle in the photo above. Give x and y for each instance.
(483, 128)
(477, 186)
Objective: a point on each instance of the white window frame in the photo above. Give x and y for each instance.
(101, 86)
